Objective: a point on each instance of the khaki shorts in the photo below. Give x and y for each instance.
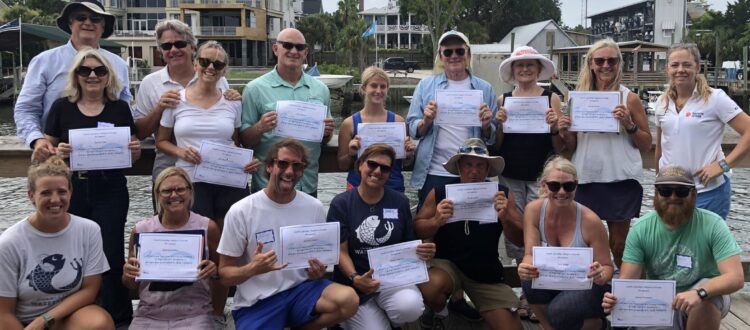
(485, 296)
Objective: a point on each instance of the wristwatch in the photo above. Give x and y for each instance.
(724, 165)
(702, 293)
(49, 320)
(352, 276)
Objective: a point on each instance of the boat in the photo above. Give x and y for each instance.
(334, 81)
(653, 97)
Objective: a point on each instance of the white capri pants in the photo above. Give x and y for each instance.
(397, 306)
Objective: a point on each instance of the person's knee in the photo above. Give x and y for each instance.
(407, 307)
(561, 316)
(90, 317)
(346, 301)
(706, 311)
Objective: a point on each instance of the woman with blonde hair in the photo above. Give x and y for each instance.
(610, 163)
(690, 120)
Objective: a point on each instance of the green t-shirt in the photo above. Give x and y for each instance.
(260, 96)
(686, 254)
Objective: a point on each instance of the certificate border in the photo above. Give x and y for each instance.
(395, 246)
(76, 168)
(671, 313)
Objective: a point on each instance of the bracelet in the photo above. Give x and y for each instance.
(724, 166)
(632, 130)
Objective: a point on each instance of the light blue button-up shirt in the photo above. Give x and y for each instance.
(44, 83)
(424, 93)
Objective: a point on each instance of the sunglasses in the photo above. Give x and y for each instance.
(372, 165)
(555, 186)
(180, 44)
(289, 45)
(448, 52)
(94, 18)
(204, 62)
(474, 149)
(681, 192)
(284, 164)
(612, 61)
(99, 71)
(178, 190)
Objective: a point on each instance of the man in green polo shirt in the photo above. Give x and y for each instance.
(286, 81)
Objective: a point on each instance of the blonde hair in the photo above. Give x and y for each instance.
(212, 44)
(587, 78)
(700, 81)
(167, 173)
(438, 67)
(369, 74)
(53, 166)
(558, 163)
(73, 88)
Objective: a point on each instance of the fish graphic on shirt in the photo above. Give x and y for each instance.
(40, 278)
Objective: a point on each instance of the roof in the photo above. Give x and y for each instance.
(44, 32)
(381, 10)
(616, 8)
(490, 48)
(526, 33)
(625, 44)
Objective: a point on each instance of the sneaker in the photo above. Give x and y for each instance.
(220, 322)
(439, 322)
(464, 310)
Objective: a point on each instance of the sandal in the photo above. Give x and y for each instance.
(524, 311)
(532, 317)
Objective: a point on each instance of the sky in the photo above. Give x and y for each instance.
(571, 9)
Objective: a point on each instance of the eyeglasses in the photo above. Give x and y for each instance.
(681, 192)
(180, 44)
(372, 165)
(289, 45)
(94, 18)
(448, 52)
(555, 186)
(204, 62)
(612, 61)
(284, 164)
(178, 190)
(475, 149)
(99, 71)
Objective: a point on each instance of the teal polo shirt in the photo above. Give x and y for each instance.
(260, 96)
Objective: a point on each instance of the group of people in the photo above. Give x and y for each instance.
(64, 271)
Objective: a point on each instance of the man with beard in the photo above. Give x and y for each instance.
(268, 297)
(686, 244)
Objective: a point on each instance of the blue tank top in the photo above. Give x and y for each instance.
(396, 179)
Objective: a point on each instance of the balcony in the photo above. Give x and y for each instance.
(134, 33)
(218, 31)
(250, 3)
(402, 28)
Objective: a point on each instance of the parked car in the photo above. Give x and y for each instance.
(399, 63)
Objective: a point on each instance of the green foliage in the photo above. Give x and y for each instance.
(731, 30)
(350, 26)
(327, 68)
(47, 7)
(318, 29)
(475, 31)
(42, 12)
(499, 17)
(438, 15)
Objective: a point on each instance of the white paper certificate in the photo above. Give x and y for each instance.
(301, 243)
(169, 257)
(398, 265)
(392, 134)
(472, 201)
(223, 165)
(99, 148)
(300, 120)
(460, 108)
(562, 268)
(592, 111)
(642, 303)
(526, 114)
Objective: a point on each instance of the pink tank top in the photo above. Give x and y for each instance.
(187, 301)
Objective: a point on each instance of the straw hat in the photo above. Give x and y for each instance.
(63, 22)
(476, 148)
(526, 53)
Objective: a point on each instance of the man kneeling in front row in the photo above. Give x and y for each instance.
(691, 246)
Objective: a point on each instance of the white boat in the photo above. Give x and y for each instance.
(653, 96)
(408, 98)
(334, 80)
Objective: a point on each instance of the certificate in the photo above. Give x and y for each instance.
(398, 265)
(300, 120)
(169, 256)
(99, 148)
(562, 268)
(643, 303)
(592, 111)
(526, 114)
(392, 134)
(301, 243)
(472, 201)
(223, 165)
(459, 108)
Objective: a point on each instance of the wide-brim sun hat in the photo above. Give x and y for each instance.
(63, 21)
(475, 148)
(674, 175)
(526, 53)
(453, 34)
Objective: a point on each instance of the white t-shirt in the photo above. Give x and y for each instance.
(192, 125)
(257, 217)
(41, 269)
(692, 138)
(449, 137)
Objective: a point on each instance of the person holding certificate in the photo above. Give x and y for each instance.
(610, 164)
(690, 120)
(52, 261)
(375, 91)
(91, 100)
(175, 305)
(693, 247)
(556, 219)
(371, 216)
(467, 251)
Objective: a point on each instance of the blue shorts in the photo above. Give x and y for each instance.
(717, 200)
(290, 308)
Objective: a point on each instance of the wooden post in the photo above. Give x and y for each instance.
(717, 65)
(745, 72)
(512, 41)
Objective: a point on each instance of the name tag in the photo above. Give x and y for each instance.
(390, 213)
(265, 236)
(684, 261)
(104, 124)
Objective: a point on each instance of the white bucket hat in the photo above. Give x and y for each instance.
(526, 53)
(476, 148)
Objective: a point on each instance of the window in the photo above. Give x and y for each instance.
(250, 19)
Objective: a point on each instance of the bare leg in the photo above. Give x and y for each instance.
(541, 314)
(219, 292)
(705, 316)
(618, 232)
(336, 304)
(437, 290)
(592, 324)
(503, 318)
(90, 317)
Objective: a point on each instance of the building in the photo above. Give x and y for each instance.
(394, 30)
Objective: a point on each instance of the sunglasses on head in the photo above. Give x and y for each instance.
(448, 52)
(204, 62)
(289, 45)
(284, 164)
(474, 149)
(94, 18)
(612, 61)
(555, 186)
(681, 192)
(99, 71)
(371, 164)
(179, 44)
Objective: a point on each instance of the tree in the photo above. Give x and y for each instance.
(318, 29)
(499, 17)
(438, 15)
(474, 31)
(350, 26)
(42, 12)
